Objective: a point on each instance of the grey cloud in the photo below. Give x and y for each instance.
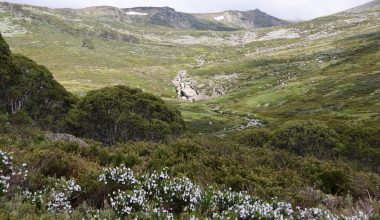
(285, 9)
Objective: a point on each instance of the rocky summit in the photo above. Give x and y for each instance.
(244, 19)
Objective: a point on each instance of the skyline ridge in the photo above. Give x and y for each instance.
(296, 10)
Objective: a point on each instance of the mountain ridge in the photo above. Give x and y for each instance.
(166, 16)
(169, 17)
(369, 6)
(244, 19)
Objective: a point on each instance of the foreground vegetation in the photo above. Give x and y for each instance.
(339, 185)
(157, 195)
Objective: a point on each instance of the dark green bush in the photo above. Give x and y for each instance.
(4, 120)
(357, 136)
(256, 137)
(360, 143)
(20, 118)
(49, 102)
(4, 48)
(307, 138)
(27, 86)
(334, 182)
(119, 114)
(5, 71)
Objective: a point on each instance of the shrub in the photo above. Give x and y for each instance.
(119, 114)
(56, 198)
(27, 86)
(307, 138)
(46, 101)
(4, 48)
(360, 143)
(11, 175)
(20, 118)
(334, 182)
(256, 137)
(4, 121)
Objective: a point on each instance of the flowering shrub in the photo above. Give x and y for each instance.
(124, 203)
(181, 194)
(61, 195)
(120, 176)
(154, 182)
(10, 173)
(56, 198)
(157, 195)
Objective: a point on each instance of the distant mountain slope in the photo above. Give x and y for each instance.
(163, 16)
(138, 16)
(244, 19)
(169, 17)
(166, 16)
(103, 11)
(370, 6)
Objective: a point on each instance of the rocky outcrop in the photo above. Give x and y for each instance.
(189, 89)
(244, 19)
(248, 37)
(252, 19)
(65, 138)
(111, 35)
(250, 122)
(186, 88)
(165, 16)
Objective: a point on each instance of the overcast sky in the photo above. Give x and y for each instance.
(285, 9)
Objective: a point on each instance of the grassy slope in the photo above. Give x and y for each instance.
(332, 77)
(78, 69)
(335, 77)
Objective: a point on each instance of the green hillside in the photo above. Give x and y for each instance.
(325, 64)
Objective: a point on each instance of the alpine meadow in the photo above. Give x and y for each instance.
(151, 113)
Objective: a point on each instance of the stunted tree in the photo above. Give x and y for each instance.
(5, 69)
(119, 114)
(30, 87)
